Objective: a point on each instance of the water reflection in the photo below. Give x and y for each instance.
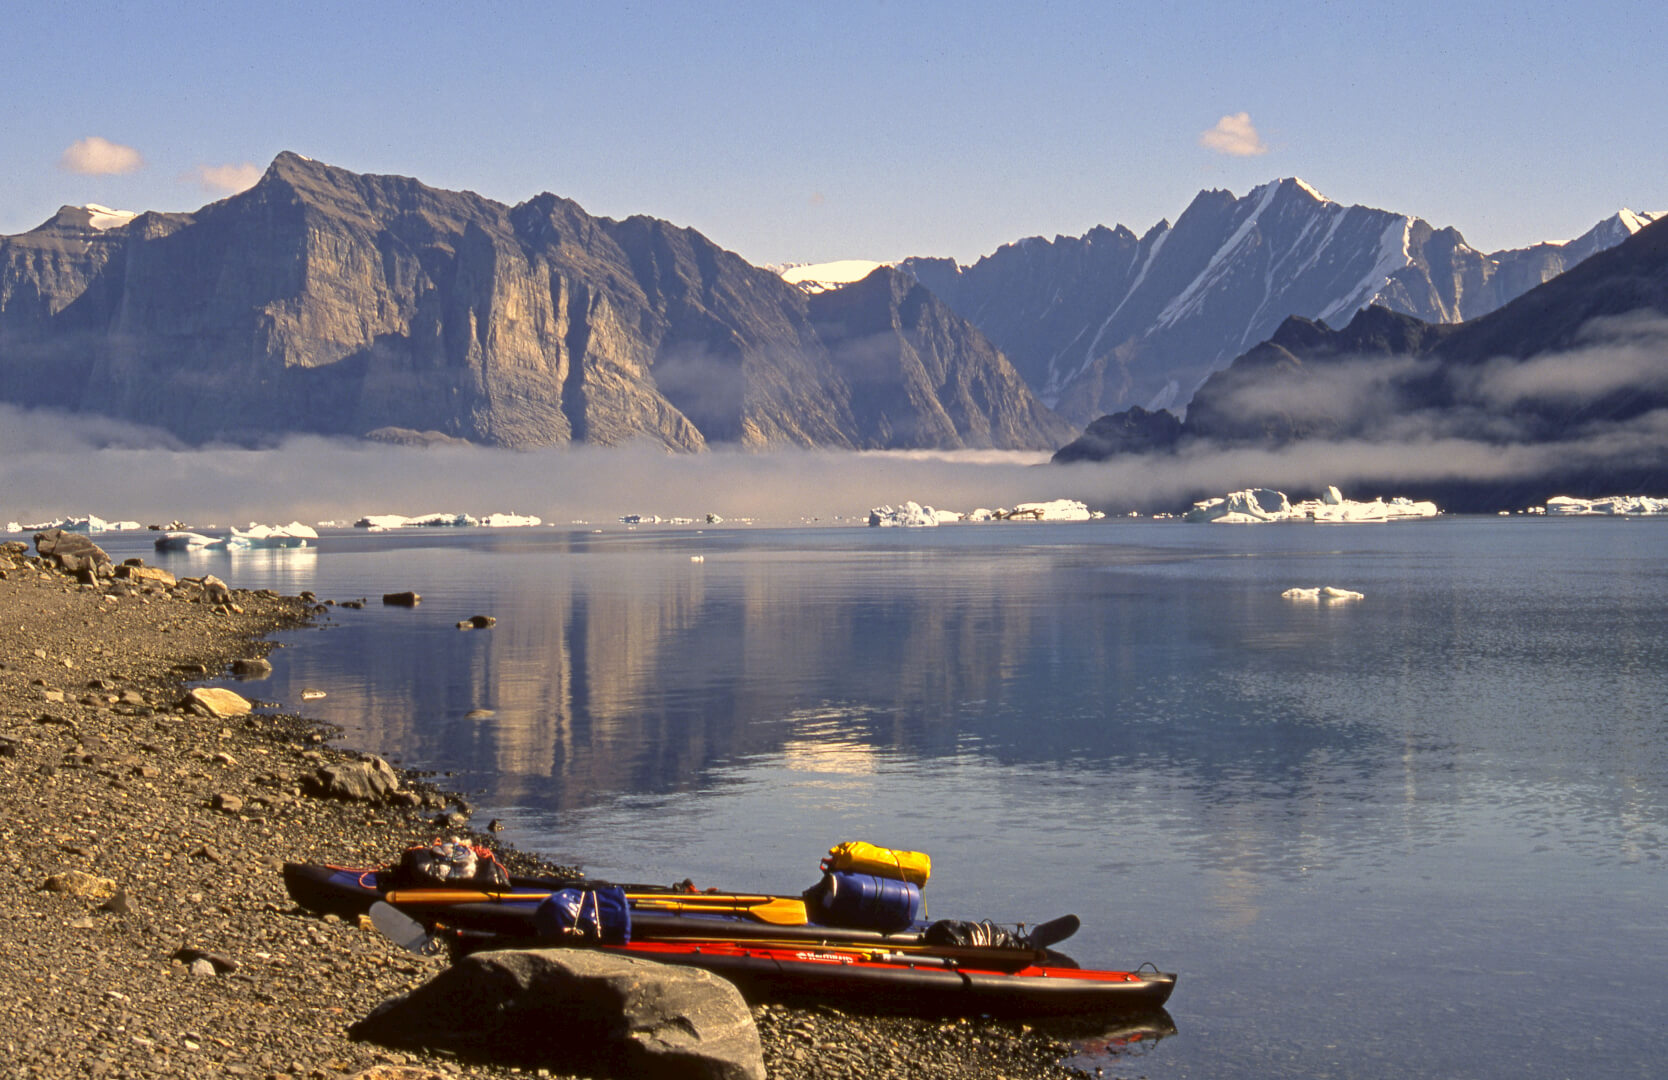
(1464, 776)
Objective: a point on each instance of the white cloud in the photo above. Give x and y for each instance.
(1234, 135)
(224, 179)
(95, 156)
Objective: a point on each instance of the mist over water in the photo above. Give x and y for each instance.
(56, 464)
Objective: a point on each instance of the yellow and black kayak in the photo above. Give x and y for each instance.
(657, 912)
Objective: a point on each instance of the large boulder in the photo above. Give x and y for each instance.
(577, 1010)
(72, 551)
(372, 780)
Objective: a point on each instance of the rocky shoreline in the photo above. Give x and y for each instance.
(147, 929)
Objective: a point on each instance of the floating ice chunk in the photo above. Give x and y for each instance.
(89, 524)
(1265, 504)
(188, 541)
(1053, 510)
(1319, 593)
(13, 527)
(1614, 505)
(295, 534)
(383, 522)
(911, 515)
(1238, 507)
(510, 521)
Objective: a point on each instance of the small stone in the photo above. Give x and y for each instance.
(251, 668)
(228, 804)
(481, 622)
(202, 969)
(79, 883)
(401, 599)
(120, 904)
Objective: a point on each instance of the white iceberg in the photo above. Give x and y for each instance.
(295, 534)
(384, 522)
(1614, 506)
(510, 521)
(1256, 505)
(1053, 510)
(89, 524)
(911, 515)
(1321, 592)
(188, 541)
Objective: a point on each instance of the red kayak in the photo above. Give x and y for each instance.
(925, 979)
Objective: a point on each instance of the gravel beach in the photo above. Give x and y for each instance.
(144, 926)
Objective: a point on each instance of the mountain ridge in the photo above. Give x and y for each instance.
(1105, 320)
(1563, 390)
(326, 301)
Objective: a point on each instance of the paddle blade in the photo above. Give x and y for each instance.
(1054, 930)
(400, 928)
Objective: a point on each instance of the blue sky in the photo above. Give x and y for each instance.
(861, 130)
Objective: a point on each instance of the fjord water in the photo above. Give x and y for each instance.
(1418, 835)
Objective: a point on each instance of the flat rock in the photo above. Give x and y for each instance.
(220, 702)
(575, 1010)
(81, 884)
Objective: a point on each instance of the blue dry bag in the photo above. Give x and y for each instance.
(865, 901)
(594, 916)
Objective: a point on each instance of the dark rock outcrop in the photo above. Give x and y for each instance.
(72, 552)
(326, 301)
(576, 1010)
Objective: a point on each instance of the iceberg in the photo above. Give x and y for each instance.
(384, 522)
(1255, 505)
(1053, 510)
(188, 541)
(89, 524)
(295, 534)
(1614, 506)
(510, 521)
(1321, 592)
(911, 515)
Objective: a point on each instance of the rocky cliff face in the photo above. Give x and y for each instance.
(1108, 320)
(325, 301)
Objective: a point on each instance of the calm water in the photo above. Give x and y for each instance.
(1419, 835)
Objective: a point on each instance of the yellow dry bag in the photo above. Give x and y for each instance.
(861, 858)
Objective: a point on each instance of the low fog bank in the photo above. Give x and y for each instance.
(55, 465)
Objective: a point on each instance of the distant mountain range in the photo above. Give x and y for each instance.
(330, 302)
(1564, 390)
(1107, 320)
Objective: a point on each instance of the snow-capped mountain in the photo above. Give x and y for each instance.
(1107, 320)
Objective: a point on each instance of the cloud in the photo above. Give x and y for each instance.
(1618, 353)
(816, 199)
(224, 179)
(1235, 136)
(95, 156)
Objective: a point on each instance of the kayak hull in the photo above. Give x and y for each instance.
(917, 983)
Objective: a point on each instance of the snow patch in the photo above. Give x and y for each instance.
(820, 277)
(105, 218)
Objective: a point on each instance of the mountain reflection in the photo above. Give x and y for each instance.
(627, 668)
